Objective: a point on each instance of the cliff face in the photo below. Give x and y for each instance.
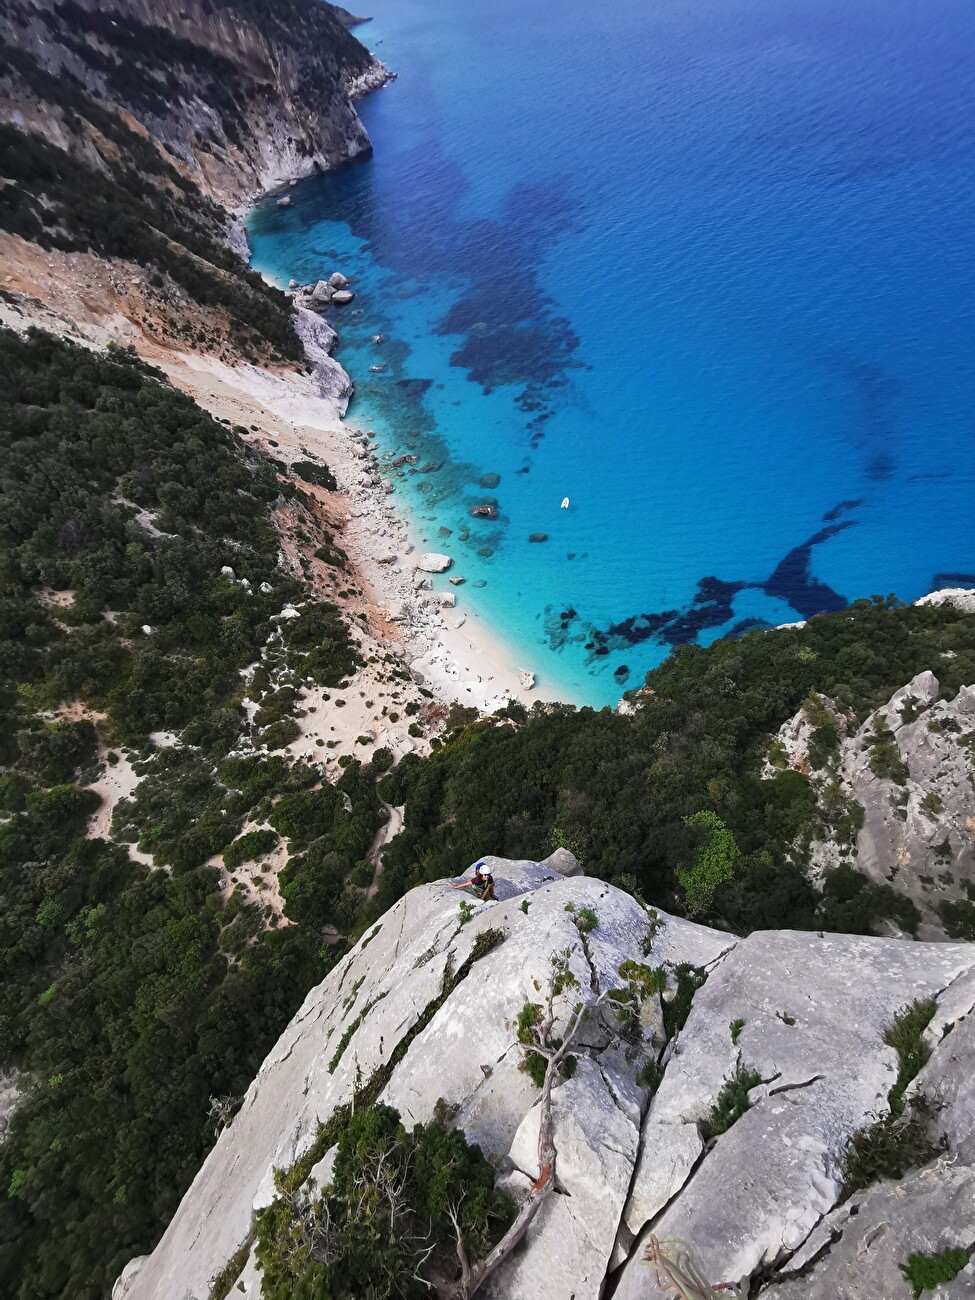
(245, 94)
(807, 1016)
(126, 125)
(909, 772)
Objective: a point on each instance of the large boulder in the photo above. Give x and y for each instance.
(433, 562)
(564, 862)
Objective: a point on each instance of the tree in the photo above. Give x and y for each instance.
(714, 861)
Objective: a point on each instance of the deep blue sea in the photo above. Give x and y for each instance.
(704, 267)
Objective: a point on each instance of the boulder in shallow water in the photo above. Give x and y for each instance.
(337, 280)
(433, 562)
(342, 296)
(538, 537)
(321, 295)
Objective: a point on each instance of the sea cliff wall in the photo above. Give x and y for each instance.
(245, 95)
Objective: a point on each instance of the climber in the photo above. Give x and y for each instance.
(482, 882)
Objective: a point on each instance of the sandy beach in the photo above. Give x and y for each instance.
(422, 641)
(395, 608)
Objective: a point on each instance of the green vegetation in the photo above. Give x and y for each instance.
(624, 787)
(311, 472)
(383, 1226)
(730, 1103)
(926, 1272)
(533, 1063)
(735, 1029)
(132, 997)
(958, 918)
(906, 1036)
(250, 846)
(350, 1033)
(889, 1148)
(688, 980)
(714, 861)
(900, 1140)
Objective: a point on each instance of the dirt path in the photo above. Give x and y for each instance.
(385, 833)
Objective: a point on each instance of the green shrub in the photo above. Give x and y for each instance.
(714, 861)
(249, 847)
(385, 1221)
(926, 1272)
(278, 735)
(958, 918)
(932, 804)
(886, 762)
(906, 1035)
(688, 980)
(730, 1103)
(888, 1148)
(320, 475)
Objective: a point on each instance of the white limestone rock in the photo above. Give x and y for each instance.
(963, 598)
(760, 1191)
(564, 862)
(826, 1075)
(918, 831)
(433, 562)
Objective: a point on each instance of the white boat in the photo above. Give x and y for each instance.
(565, 503)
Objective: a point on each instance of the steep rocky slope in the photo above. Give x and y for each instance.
(124, 129)
(909, 774)
(427, 1006)
(243, 93)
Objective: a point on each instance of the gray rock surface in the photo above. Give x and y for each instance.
(433, 562)
(918, 831)
(753, 1197)
(624, 1162)
(962, 598)
(564, 862)
(871, 1236)
(8, 1100)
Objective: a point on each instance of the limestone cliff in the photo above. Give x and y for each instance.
(908, 773)
(803, 1017)
(245, 94)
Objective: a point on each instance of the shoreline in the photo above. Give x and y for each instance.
(450, 651)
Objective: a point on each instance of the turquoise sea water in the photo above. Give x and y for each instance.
(703, 266)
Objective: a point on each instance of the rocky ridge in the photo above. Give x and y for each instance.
(805, 1013)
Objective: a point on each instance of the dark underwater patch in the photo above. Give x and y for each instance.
(941, 580)
(414, 388)
(840, 509)
(713, 605)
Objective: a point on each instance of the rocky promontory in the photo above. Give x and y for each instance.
(721, 1117)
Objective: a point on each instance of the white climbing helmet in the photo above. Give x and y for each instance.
(483, 869)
